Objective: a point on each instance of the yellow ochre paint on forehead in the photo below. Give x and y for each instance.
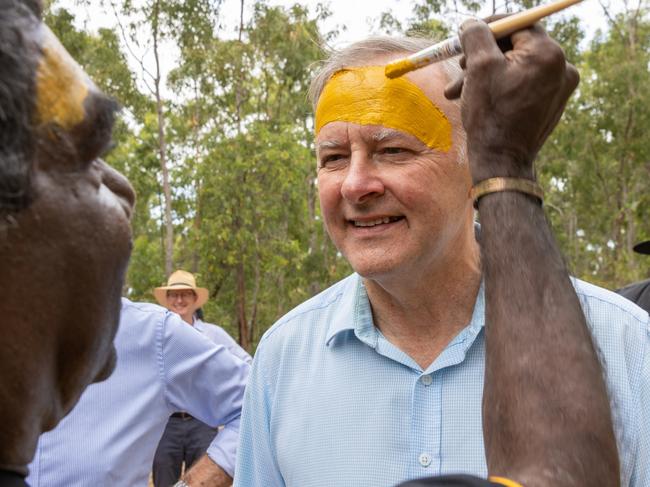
(365, 96)
(61, 85)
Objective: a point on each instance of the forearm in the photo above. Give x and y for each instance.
(206, 473)
(223, 449)
(546, 412)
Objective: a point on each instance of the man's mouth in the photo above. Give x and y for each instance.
(376, 221)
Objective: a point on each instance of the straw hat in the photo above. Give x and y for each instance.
(642, 247)
(177, 281)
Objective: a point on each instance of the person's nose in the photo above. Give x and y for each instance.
(118, 184)
(363, 179)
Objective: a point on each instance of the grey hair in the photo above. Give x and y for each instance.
(363, 53)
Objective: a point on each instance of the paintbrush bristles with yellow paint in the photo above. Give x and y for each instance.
(451, 47)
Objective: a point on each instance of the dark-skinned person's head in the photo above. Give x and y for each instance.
(65, 236)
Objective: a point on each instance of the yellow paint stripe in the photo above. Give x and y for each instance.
(505, 481)
(366, 97)
(61, 86)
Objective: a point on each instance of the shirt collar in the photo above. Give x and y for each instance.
(353, 313)
(353, 306)
(198, 324)
(456, 351)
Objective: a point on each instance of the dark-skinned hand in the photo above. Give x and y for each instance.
(512, 96)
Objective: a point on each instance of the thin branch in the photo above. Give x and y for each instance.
(241, 19)
(611, 20)
(139, 60)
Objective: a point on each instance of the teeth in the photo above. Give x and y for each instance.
(378, 221)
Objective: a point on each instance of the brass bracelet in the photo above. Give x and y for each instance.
(494, 185)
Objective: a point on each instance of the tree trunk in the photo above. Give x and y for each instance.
(241, 270)
(256, 291)
(196, 123)
(241, 307)
(162, 151)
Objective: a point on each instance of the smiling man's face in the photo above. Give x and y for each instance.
(392, 202)
(183, 302)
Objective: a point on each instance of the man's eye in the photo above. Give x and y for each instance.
(331, 159)
(392, 150)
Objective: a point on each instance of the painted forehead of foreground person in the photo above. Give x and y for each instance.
(65, 247)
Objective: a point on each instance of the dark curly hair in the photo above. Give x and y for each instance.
(19, 59)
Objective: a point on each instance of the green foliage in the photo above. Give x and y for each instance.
(245, 176)
(426, 22)
(596, 163)
(569, 35)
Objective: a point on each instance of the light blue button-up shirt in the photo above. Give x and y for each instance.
(331, 402)
(219, 336)
(163, 366)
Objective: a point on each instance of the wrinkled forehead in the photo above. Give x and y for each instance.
(365, 96)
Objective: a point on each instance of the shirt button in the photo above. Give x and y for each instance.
(424, 459)
(427, 380)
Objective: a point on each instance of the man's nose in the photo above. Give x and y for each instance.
(363, 179)
(117, 183)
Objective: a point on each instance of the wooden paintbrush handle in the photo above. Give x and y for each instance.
(508, 25)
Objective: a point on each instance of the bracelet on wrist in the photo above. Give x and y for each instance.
(495, 185)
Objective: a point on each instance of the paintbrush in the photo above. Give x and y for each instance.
(451, 47)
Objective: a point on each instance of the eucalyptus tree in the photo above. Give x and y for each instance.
(598, 162)
(252, 228)
(150, 29)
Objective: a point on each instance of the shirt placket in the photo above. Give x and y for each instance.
(425, 454)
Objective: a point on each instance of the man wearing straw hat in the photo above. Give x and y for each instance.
(186, 438)
(639, 292)
(379, 378)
